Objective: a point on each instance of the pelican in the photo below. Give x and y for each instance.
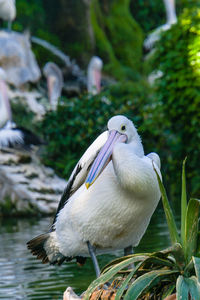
(108, 201)
(5, 111)
(94, 75)
(54, 83)
(12, 136)
(8, 11)
(171, 17)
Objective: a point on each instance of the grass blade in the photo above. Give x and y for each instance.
(183, 205)
(168, 291)
(168, 213)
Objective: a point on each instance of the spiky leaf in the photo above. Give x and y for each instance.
(187, 288)
(124, 285)
(196, 261)
(145, 282)
(191, 234)
(183, 205)
(111, 273)
(168, 212)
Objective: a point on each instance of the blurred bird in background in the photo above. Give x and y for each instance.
(94, 75)
(54, 78)
(8, 11)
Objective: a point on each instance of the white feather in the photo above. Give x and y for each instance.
(8, 136)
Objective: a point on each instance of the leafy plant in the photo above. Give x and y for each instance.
(158, 275)
(178, 96)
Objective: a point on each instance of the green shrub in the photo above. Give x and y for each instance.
(178, 95)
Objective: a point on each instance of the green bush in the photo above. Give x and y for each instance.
(178, 95)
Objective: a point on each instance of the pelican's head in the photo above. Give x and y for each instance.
(54, 82)
(94, 75)
(120, 130)
(123, 126)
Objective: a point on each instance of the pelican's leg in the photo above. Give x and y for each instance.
(91, 250)
(128, 250)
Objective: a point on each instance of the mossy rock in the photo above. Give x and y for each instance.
(118, 37)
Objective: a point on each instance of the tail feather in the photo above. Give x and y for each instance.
(36, 246)
(44, 247)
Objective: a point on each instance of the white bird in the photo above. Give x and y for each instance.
(12, 136)
(54, 83)
(5, 111)
(8, 11)
(171, 17)
(108, 202)
(94, 75)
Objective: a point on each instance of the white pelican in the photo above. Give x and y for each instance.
(94, 75)
(54, 83)
(5, 111)
(108, 202)
(12, 136)
(170, 9)
(7, 11)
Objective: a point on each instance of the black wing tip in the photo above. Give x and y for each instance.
(30, 138)
(36, 246)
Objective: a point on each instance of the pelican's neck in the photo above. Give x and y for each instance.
(170, 11)
(129, 167)
(137, 147)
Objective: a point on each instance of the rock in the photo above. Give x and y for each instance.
(70, 295)
(34, 100)
(17, 59)
(26, 186)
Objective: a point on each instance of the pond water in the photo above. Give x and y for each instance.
(22, 276)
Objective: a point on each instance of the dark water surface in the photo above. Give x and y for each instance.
(22, 276)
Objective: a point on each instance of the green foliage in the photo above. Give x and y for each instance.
(155, 274)
(148, 13)
(22, 116)
(178, 95)
(117, 34)
(78, 121)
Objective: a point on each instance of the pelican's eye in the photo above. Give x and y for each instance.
(123, 128)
